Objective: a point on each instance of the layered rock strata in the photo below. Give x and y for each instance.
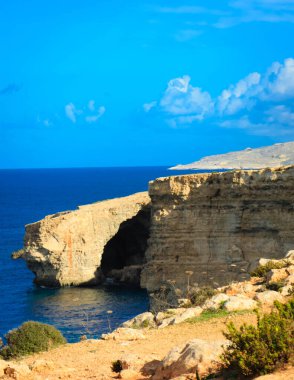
(211, 228)
(67, 248)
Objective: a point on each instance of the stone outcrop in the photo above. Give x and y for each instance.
(211, 228)
(83, 246)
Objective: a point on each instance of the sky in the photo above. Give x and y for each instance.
(94, 83)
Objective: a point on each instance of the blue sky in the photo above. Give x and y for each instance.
(127, 83)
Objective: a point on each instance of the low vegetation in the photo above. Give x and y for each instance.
(198, 295)
(260, 350)
(207, 315)
(117, 366)
(29, 338)
(262, 270)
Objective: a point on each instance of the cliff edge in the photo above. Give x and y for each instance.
(216, 225)
(201, 228)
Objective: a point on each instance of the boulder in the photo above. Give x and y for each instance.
(197, 354)
(124, 334)
(290, 280)
(215, 302)
(237, 303)
(140, 321)
(182, 317)
(169, 313)
(276, 275)
(184, 302)
(287, 290)
(269, 297)
(290, 256)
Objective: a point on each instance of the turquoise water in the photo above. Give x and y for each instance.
(27, 196)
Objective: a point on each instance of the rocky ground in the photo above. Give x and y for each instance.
(166, 345)
(92, 359)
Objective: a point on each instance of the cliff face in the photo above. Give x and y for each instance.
(217, 225)
(214, 225)
(66, 248)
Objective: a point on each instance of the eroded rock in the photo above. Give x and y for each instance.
(184, 359)
(216, 225)
(124, 334)
(269, 297)
(67, 248)
(239, 302)
(141, 321)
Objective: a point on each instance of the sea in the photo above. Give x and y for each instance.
(28, 195)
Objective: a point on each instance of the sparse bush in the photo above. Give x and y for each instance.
(198, 295)
(117, 366)
(262, 270)
(261, 349)
(29, 338)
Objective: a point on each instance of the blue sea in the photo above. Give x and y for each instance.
(29, 195)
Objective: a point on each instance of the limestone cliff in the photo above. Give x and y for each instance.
(67, 248)
(217, 225)
(214, 225)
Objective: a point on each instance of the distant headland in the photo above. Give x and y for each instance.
(270, 156)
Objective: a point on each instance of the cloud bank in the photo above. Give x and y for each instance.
(263, 103)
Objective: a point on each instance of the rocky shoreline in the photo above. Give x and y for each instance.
(214, 225)
(201, 350)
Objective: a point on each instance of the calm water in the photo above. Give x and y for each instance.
(27, 196)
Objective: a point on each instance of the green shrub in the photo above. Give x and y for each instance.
(29, 338)
(199, 295)
(262, 270)
(259, 350)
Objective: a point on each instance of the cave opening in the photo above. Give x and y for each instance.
(124, 254)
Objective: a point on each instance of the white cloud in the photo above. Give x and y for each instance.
(280, 79)
(93, 118)
(72, 112)
(240, 95)
(148, 106)
(90, 116)
(234, 12)
(91, 105)
(266, 98)
(181, 98)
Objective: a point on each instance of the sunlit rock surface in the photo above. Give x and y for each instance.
(67, 248)
(215, 226)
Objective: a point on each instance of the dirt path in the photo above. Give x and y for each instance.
(92, 359)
